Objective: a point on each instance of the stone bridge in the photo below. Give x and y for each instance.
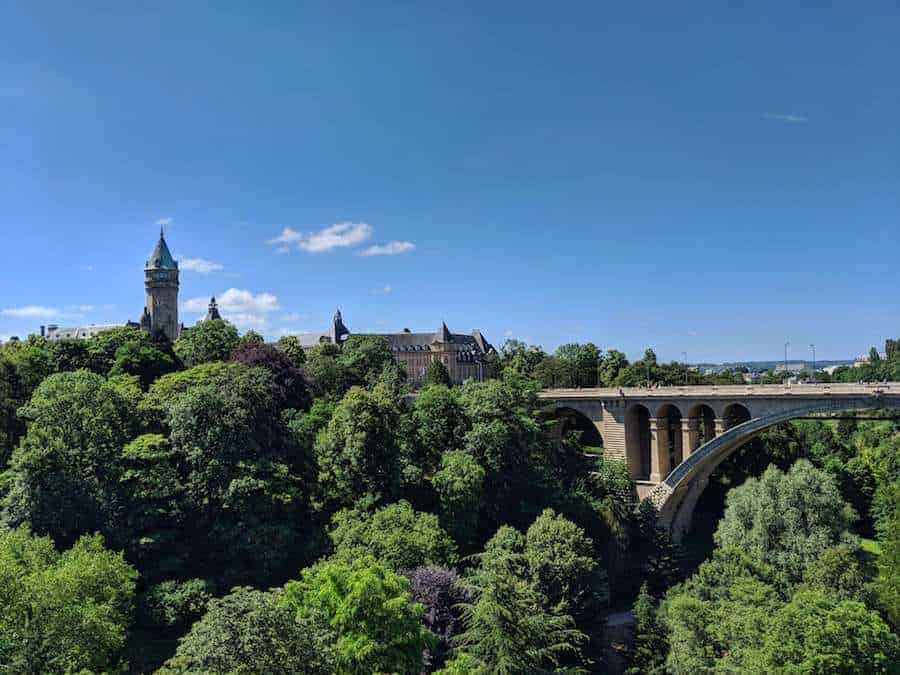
(673, 438)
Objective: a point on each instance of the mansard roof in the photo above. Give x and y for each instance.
(161, 258)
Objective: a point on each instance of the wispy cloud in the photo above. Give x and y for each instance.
(391, 248)
(162, 222)
(386, 290)
(339, 235)
(243, 308)
(33, 312)
(794, 119)
(92, 308)
(200, 265)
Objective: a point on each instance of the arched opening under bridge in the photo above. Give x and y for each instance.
(637, 441)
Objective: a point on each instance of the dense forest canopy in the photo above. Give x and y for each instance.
(225, 505)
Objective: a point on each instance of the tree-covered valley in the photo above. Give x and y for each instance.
(224, 505)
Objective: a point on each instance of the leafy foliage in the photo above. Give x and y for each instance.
(62, 612)
(367, 606)
(211, 340)
(250, 631)
(395, 534)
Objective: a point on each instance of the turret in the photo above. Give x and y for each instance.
(161, 284)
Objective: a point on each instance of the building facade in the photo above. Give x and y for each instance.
(464, 355)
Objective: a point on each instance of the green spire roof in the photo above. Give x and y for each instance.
(161, 258)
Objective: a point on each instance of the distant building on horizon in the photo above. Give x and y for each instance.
(796, 367)
(464, 356)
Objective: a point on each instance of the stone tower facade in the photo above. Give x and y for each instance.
(161, 282)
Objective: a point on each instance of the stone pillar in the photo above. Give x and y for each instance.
(690, 435)
(720, 426)
(659, 449)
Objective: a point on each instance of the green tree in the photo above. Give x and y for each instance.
(580, 363)
(367, 606)
(611, 364)
(436, 373)
(147, 363)
(818, 633)
(460, 486)
(508, 628)
(64, 474)
(650, 646)
(290, 346)
(365, 357)
(439, 425)
(104, 345)
(166, 391)
(251, 337)
(250, 631)
(563, 563)
(68, 355)
(212, 340)
(12, 395)
(62, 612)
(357, 451)
(328, 377)
(395, 534)
(786, 519)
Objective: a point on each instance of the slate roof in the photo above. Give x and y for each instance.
(161, 258)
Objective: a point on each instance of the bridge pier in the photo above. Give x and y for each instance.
(659, 449)
(720, 427)
(690, 435)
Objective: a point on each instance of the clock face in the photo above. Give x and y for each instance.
(160, 276)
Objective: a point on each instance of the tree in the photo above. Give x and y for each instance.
(438, 424)
(290, 346)
(12, 395)
(250, 631)
(328, 377)
(394, 534)
(611, 364)
(65, 472)
(290, 385)
(649, 647)
(365, 357)
(818, 633)
(436, 373)
(367, 606)
(357, 451)
(147, 363)
(168, 389)
(580, 363)
(251, 337)
(62, 612)
(243, 480)
(460, 485)
(104, 345)
(562, 561)
(211, 340)
(838, 571)
(68, 355)
(507, 626)
(786, 519)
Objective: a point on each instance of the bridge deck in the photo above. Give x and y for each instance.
(729, 391)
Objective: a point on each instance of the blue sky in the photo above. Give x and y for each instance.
(700, 180)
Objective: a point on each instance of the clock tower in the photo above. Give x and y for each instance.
(161, 282)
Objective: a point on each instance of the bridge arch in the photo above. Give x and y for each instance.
(668, 419)
(571, 419)
(735, 414)
(677, 495)
(637, 441)
(706, 422)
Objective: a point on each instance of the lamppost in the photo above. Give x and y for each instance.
(684, 354)
(813, 347)
(786, 345)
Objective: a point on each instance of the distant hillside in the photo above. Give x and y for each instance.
(761, 366)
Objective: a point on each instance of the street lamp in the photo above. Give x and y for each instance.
(786, 345)
(813, 347)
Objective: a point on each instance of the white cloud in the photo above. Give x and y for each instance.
(32, 311)
(200, 265)
(339, 235)
(795, 119)
(384, 291)
(391, 248)
(92, 308)
(162, 222)
(243, 308)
